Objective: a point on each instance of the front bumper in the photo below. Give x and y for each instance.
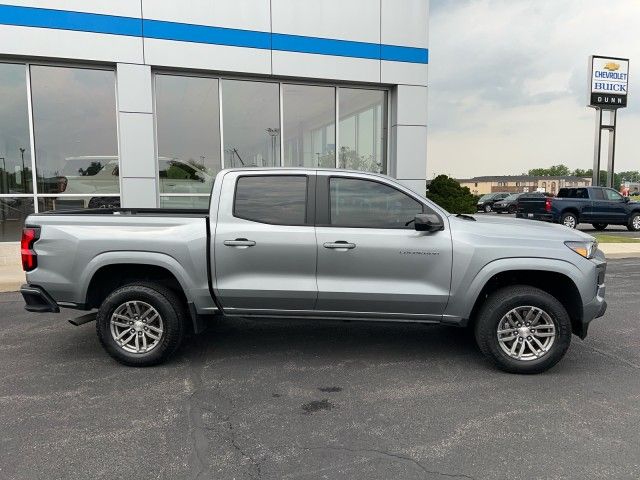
(36, 299)
(597, 307)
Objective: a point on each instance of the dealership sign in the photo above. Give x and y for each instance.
(609, 82)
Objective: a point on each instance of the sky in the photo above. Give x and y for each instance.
(508, 84)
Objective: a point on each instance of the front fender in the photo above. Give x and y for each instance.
(463, 299)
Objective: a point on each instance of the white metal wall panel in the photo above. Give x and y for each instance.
(241, 14)
(398, 73)
(123, 8)
(409, 105)
(65, 44)
(404, 22)
(137, 150)
(134, 88)
(357, 20)
(171, 53)
(307, 65)
(410, 151)
(139, 193)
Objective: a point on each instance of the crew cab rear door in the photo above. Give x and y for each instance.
(371, 260)
(265, 244)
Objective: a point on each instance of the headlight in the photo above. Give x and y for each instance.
(586, 249)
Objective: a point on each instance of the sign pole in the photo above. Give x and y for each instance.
(612, 149)
(608, 88)
(595, 175)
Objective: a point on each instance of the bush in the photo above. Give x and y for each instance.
(448, 193)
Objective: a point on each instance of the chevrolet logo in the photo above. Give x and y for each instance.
(611, 66)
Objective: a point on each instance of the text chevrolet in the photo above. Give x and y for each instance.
(317, 244)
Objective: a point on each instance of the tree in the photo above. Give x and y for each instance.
(553, 171)
(448, 193)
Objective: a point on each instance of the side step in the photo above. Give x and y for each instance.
(89, 317)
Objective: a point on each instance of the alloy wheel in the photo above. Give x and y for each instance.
(136, 327)
(526, 333)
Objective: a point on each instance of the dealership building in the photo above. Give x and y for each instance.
(140, 103)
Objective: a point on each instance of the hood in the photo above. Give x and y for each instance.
(517, 228)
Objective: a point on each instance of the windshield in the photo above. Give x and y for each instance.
(486, 197)
(84, 167)
(512, 197)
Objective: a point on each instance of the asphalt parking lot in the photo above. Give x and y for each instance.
(289, 400)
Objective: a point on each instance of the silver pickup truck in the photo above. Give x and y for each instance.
(316, 244)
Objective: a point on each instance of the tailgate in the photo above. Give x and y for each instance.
(531, 206)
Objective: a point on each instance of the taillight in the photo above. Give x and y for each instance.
(547, 205)
(29, 256)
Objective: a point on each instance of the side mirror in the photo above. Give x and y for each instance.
(626, 199)
(428, 222)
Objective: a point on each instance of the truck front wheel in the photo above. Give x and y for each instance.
(141, 324)
(634, 222)
(523, 329)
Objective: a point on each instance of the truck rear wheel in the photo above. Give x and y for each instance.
(569, 219)
(523, 329)
(141, 324)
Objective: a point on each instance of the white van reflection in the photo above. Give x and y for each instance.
(93, 174)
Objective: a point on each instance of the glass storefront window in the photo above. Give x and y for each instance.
(251, 123)
(76, 203)
(201, 202)
(362, 132)
(309, 126)
(15, 151)
(74, 116)
(188, 129)
(13, 211)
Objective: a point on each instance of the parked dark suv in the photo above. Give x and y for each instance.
(507, 204)
(485, 203)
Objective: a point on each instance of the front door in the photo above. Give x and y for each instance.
(265, 244)
(371, 260)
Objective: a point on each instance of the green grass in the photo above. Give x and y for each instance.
(606, 238)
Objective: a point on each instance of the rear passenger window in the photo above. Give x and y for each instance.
(273, 199)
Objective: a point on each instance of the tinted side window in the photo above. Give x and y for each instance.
(363, 203)
(597, 194)
(612, 195)
(274, 199)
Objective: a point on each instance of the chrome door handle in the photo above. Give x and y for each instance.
(340, 245)
(239, 242)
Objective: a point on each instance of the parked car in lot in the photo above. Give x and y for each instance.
(485, 202)
(596, 205)
(317, 244)
(507, 204)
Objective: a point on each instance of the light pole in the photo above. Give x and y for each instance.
(4, 175)
(24, 177)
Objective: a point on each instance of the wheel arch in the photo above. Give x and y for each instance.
(551, 276)
(111, 270)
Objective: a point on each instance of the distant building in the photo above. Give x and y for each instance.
(521, 183)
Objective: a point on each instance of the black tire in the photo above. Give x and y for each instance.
(566, 219)
(168, 305)
(512, 209)
(632, 221)
(600, 226)
(487, 208)
(504, 300)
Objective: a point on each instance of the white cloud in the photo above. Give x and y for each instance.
(508, 83)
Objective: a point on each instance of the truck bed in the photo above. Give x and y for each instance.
(75, 244)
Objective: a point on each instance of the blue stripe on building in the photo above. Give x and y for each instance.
(184, 32)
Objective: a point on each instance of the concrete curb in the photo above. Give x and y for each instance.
(621, 250)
